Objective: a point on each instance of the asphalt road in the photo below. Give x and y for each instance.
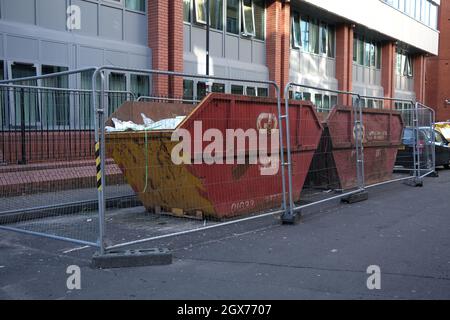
(403, 230)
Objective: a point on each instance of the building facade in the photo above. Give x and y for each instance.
(372, 47)
(438, 69)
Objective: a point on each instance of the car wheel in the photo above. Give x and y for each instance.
(447, 166)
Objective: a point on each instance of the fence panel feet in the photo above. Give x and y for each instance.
(132, 258)
(356, 197)
(291, 218)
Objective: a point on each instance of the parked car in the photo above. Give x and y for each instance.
(405, 155)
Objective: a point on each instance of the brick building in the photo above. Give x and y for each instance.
(438, 69)
(373, 47)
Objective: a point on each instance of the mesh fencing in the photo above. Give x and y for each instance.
(195, 159)
(47, 157)
(111, 168)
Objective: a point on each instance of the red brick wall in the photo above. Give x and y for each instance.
(437, 85)
(47, 146)
(165, 38)
(277, 42)
(388, 71)
(419, 77)
(344, 60)
(176, 46)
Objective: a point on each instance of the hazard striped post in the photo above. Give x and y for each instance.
(98, 164)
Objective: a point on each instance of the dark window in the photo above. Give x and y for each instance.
(140, 85)
(233, 16)
(55, 106)
(263, 92)
(188, 89)
(251, 91)
(201, 90)
(218, 87)
(187, 10)
(216, 14)
(138, 5)
(237, 89)
(28, 97)
(331, 41)
(260, 19)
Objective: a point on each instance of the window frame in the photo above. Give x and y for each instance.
(245, 30)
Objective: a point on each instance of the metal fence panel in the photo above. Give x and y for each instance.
(221, 175)
(47, 157)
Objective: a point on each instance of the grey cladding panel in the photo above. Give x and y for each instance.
(90, 57)
(88, 17)
(54, 53)
(52, 14)
(232, 47)
(111, 23)
(114, 58)
(135, 27)
(245, 50)
(19, 11)
(22, 49)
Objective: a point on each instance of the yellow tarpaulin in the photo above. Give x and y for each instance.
(444, 128)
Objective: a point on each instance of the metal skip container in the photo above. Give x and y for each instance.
(334, 164)
(218, 190)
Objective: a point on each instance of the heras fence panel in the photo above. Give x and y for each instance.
(325, 173)
(381, 137)
(427, 142)
(207, 183)
(48, 176)
(47, 153)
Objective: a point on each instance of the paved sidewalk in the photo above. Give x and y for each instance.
(403, 230)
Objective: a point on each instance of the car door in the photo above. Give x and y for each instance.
(442, 149)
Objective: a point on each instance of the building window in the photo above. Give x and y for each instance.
(140, 85)
(201, 90)
(233, 16)
(26, 98)
(323, 38)
(304, 26)
(333, 101)
(86, 113)
(218, 87)
(248, 18)
(55, 106)
(216, 14)
(312, 36)
(331, 40)
(137, 5)
(251, 91)
(326, 102)
(187, 10)
(318, 102)
(263, 92)
(188, 89)
(296, 31)
(379, 53)
(260, 18)
(200, 11)
(404, 64)
(366, 53)
(235, 89)
(117, 91)
(424, 11)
